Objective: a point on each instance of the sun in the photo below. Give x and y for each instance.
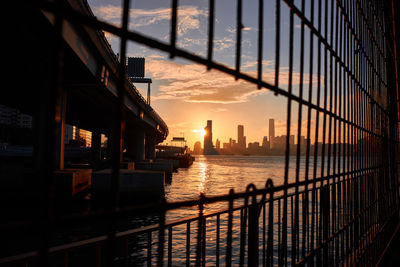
(202, 132)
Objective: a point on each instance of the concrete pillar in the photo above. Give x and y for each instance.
(150, 147)
(135, 145)
(60, 125)
(96, 149)
(140, 145)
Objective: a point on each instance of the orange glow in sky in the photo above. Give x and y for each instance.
(201, 132)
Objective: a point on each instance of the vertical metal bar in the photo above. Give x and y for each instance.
(314, 209)
(228, 257)
(174, 18)
(253, 241)
(217, 241)
(347, 133)
(203, 243)
(200, 232)
(295, 232)
(352, 132)
(239, 27)
(211, 20)
(306, 230)
(161, 235)
(283, 256)
(339, 244)
(148, 94)
(325, 221)
(263, 234)
(277, 40)
(323, 125)
(270, 241)
(188, 243)
(292, 230)
(243, 227)
(260, 41)
(336, 179)
(279, 227)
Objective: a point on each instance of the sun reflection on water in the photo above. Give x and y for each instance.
(203, 173)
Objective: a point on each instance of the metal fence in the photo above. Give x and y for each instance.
(341, 213)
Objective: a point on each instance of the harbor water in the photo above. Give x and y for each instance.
(212, 176)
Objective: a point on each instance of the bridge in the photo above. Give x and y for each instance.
(88, 96)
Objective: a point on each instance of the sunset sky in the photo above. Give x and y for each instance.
(185, 94)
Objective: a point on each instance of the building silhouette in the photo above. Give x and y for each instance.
(197, 150)
(271, 129)
(241, 138)
(208, 145)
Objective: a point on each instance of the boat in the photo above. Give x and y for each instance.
(178, 153)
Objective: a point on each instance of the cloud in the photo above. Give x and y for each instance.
(155, 56)
(187, 42)
(223, 43)
(193, 83)
(252, 64)
(108, 12)
(181, 125)
(188, 16)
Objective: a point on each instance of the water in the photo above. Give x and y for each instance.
(216, 175)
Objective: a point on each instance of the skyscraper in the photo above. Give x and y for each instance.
(271, 130)
(208, 145)
(241, 139)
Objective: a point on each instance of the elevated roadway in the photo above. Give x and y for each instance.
(89, 81)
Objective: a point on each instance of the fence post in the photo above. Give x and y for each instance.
(325, 223)
(253, 234)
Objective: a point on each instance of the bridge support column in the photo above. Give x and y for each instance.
(150, 147)
(60, 139)
(96, 149)
(135, 145)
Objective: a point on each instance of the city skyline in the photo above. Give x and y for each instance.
(241, 138)
(274, 143)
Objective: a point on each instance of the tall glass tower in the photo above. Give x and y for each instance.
(271, 129)
(208, 145)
